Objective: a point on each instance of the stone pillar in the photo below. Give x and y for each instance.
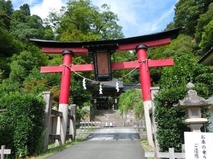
(154, 91)
(72, 126)
(48, 99)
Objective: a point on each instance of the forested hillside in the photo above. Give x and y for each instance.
(20, 60)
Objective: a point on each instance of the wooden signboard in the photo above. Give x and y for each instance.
(198, 145)
(103, 63)
(102, 66)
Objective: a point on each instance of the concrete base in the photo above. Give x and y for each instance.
(62, 124)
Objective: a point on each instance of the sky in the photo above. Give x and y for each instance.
(137, 17)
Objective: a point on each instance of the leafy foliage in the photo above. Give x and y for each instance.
(9, 46)
(6, 9)
(131, 100)
(180, 46)
(25, 126)
(83, 21)
(203, 20)
(187, 12)
(207, 36)
(169, 120)
(78, 95)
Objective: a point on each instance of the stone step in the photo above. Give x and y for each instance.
(109, 116)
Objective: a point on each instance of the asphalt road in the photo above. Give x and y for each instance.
(107, 143)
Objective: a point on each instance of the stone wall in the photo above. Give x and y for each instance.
(130, 120)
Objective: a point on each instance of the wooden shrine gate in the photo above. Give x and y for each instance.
(103, 67)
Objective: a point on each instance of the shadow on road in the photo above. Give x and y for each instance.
(114, 134)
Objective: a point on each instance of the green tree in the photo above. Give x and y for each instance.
(25, 26)
(207, 35)
(178, 47)
(82, 21)
(26, 9)
(22, 65)
(203, 21)
(79, 96)
(9, 46)
(6, 10)
(187, 13)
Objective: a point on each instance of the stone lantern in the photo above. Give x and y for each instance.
(193, 104)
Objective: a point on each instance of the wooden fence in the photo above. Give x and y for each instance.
(4, 151)
(171, 154)
(96, 124)
(53, 121)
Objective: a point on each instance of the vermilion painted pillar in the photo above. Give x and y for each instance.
(65, 77)
(62, 122)
(144, 72)
(145, 87)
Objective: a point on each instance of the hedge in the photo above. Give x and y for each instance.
(22, 124)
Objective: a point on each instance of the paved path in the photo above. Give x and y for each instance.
(107, 143)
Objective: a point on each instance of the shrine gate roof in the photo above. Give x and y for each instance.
(78, 47)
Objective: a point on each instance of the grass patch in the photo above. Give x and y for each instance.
(146, 146)
(53, 150)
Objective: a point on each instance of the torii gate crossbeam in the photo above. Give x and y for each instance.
(115, 66)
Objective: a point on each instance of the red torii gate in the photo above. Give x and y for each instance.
(140, 44)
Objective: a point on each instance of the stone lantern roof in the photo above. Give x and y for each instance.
(192, 99)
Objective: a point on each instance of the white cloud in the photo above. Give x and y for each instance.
(139, 17)
(40, 7)
(45, 7)
(165, 18)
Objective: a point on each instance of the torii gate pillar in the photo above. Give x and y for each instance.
(145, 87)
(64, 98)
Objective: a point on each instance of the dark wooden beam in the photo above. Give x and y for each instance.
(151, 40)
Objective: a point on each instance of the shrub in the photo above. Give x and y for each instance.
(22, 123)
(169, 120)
